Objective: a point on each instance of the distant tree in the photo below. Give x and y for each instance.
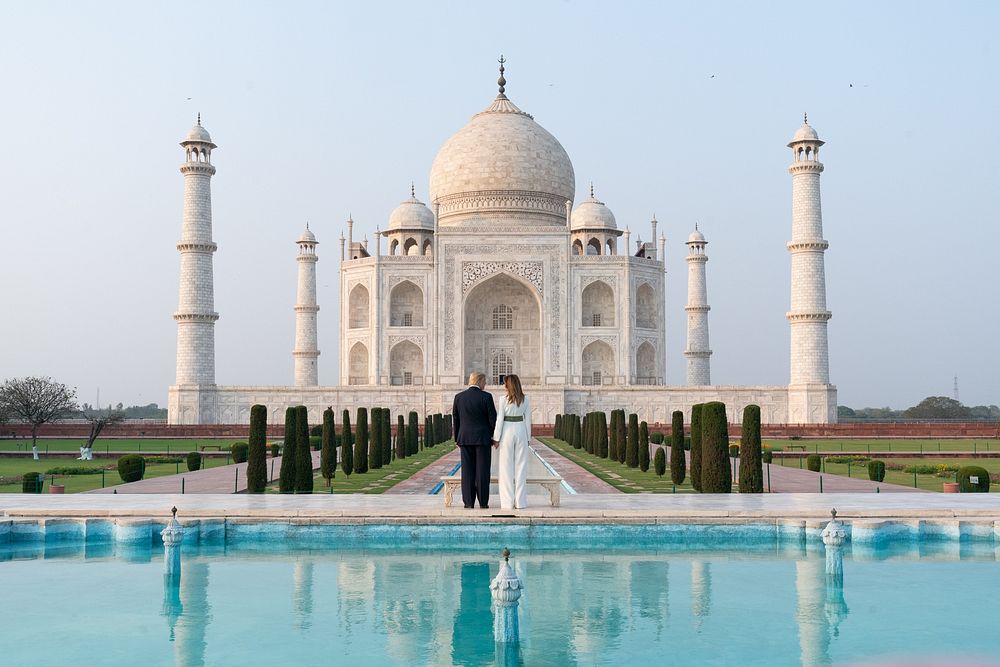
(643, 446)
(621, 437)
(751, 466)
(257, 450)
(716, 475)
(328, 448)
(632, 443)
(938, 407)
(844, 411)
(695, 471)
(557, 429)
(303, 452)
(413, 433)
(401, 449)
(286, 474)
(577, 432)
(375, 446)
(602, 434)
(986, 412)
(660, 462)
(677, 462)
(387, 453)
(36, 400)
(97, 422)
(361, 444)
(439, 435)
(347, 445)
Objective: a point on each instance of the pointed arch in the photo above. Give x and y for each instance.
(647, 311)
(406, 305)
(597, 305)
(428, 250)
(357, 308)
(358, 364)
(406, 364)
(577, 247)
(598, 363)
(645, 364)
(411, 247)
(594, 246)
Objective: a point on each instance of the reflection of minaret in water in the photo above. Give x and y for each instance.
(648, 587)
(701, 590)
(189, 635)
(821, 609)
(302, 602)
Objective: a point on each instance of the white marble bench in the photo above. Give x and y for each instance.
(551, 484)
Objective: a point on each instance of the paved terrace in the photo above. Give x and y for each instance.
(597, 508)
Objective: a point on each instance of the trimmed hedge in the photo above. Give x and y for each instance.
(876, 471)
(656, 438)
(577, 433)
(696, 446)
(815, 463)
(716, 474)
(257, 450)
(660, 462)
(303, 452)
(286, 475)
(413, 433)
(557, 429)
(751, 468)
(766, 456)
(400, 436)
(361, 443)
(32, 482)
(275, 449)
(375, 445)
(632, 442)
(193, 461)
(965, 485)
(677, 461)
(347, 445)
(602, 434)
(131, 467)
(239, 451)
(644, 446)
(734, 451)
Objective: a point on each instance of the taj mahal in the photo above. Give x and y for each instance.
(500, 272)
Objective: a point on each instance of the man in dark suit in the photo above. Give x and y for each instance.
(474, 417)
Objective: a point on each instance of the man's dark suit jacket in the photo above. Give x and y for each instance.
(474, 417)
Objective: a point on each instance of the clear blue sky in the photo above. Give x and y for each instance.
(321, 109)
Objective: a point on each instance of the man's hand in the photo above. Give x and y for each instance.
(496, 443)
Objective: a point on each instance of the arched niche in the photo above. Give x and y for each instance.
(358, 364)
(645, 364)
(406, 305)
(598, 363)
(357, 308)
(646, 307)
(516, 308)
(406, 364)
(597, 305)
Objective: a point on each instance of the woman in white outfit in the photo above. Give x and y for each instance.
(513, 431)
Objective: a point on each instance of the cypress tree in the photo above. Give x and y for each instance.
(400, 437)
(555, 431)
(577, 433)
(328, 450)
(660, 462)
(585, 433)
(613, 437)
(361, 443)
(716, 475)
(677, 462)
(439, 435)
(303, 452)
(751, 468)
(622, 437)
(592, 433)
(347, 445)
(387, 453)
(643, 447)
(375, 440)
(286, 476)
(632, 444)
(257, 452)
(413, 434)
(602, 434)
(696, 446)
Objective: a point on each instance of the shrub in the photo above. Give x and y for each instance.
(240, 451)
(413, 433)
(347, 445)
(696, 446)
(303, 452)
(361, 443)
(660, 462)
(31, 482)
(602, 434)
(257, 450)
(131, 467)
(677, 462)
(632, 442)
(275, 450)
(751, 468)
(193, 461)
(400, 436)
(734, 451)
(814, 463)
(286, 475)
(687, 443)
(716, 475)
(316, 442)
(766, 456)
(65, 470)
(852, 459)
(328, 453)
(643, 446)
(656, 438)
(965, 484)
(316, 431)
(876, 471)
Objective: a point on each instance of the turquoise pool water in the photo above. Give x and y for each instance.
(728, 602)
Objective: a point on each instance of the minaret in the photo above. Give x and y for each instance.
(808, 314)
(196, 314)
(698, 352)
(306, 352)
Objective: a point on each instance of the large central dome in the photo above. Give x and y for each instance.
(502, 166)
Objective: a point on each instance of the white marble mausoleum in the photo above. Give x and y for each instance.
(501, 272)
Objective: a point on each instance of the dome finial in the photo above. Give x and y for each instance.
(591, 189)
(307, 226)
(413, 190)
(805, 118)
(696, 226)
(199, 119)
(501, 81)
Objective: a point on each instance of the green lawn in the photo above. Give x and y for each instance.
(10, 468)
(619, 475)
(124, 445)
(381, 480)
(923, 481)
(875, 445)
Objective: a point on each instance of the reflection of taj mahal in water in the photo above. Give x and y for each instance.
(501, 273)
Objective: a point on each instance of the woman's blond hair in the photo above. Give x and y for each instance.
(512, 384)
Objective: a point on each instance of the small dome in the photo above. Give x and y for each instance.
(696, 237)
(198, 133)
(805, 133)
(411, 214)
(307, 237)
(592, 214)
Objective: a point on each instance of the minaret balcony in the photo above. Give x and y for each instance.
(807, 246)
(189, 246)
(821, 316)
